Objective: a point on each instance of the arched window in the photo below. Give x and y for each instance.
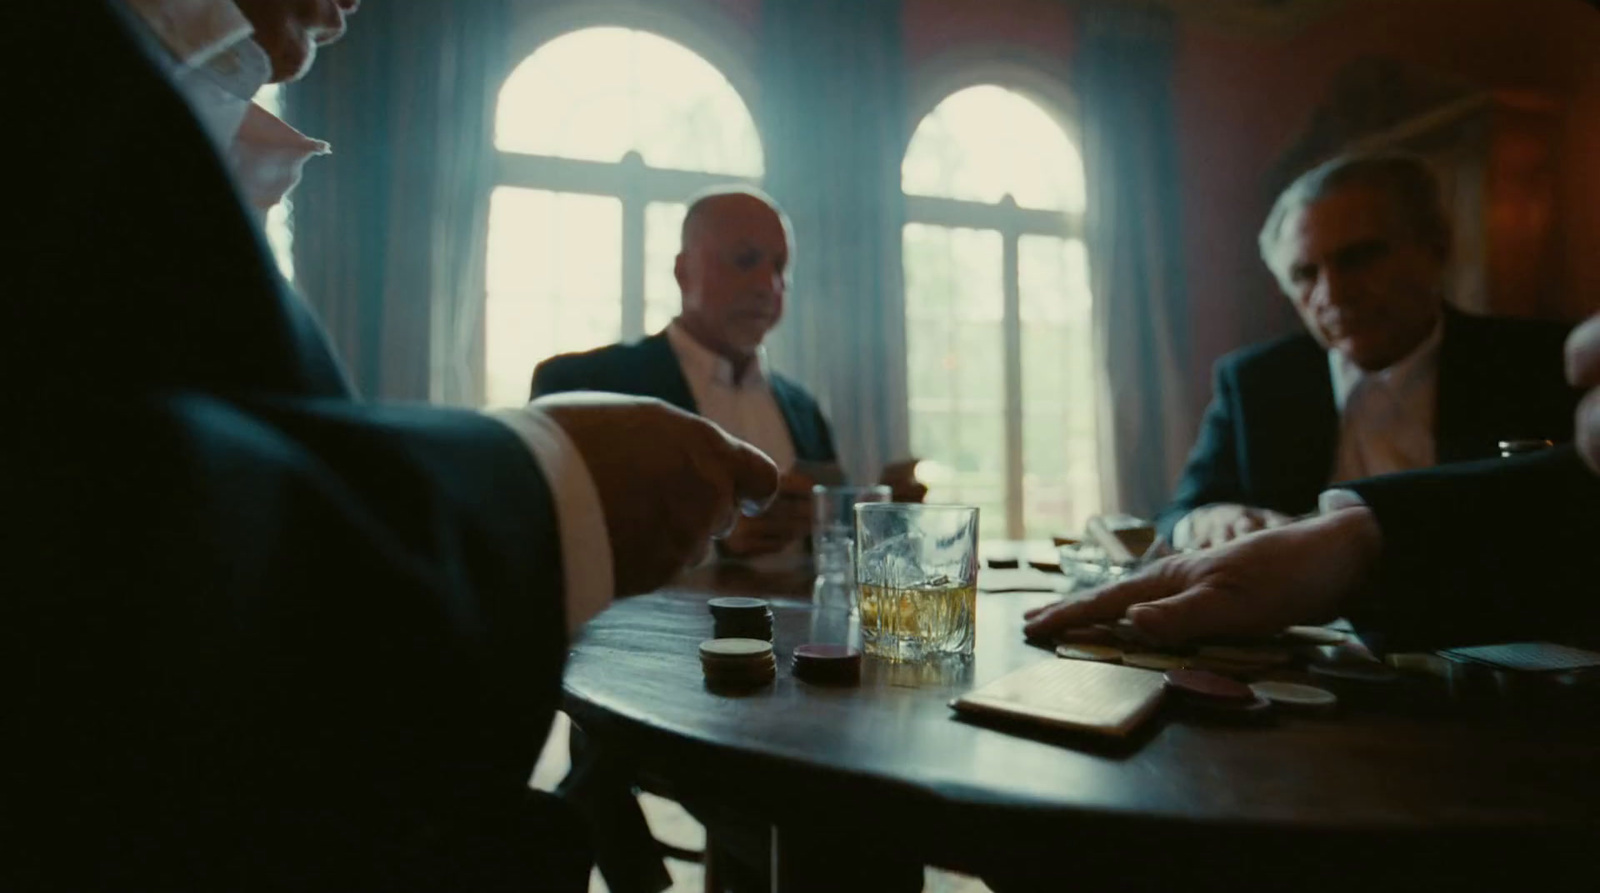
(602, 133)
(1000, 364)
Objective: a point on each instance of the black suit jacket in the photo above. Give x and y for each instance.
(1270, 435)
(1504, 550)
(260, 635)
(649, 368)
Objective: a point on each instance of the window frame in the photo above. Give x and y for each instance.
(631, 181)
(1041, 84)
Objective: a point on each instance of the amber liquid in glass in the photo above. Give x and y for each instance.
(919, 623)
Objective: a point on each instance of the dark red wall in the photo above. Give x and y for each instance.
(1241, 99)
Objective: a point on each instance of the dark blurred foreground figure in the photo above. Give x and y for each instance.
(263, 635)
(1387, 376)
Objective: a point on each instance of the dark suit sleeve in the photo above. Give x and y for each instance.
(1212, 471)
(551, 377)
(269, 637)
(1496, 551)
(331, 629)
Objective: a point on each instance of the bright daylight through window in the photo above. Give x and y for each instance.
(1000, 367)
(602, 133)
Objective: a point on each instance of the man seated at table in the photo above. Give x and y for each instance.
(733, 271)
(1387, 377)
(1486, 552)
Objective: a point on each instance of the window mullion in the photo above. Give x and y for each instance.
(633, 205)
(1012, 324)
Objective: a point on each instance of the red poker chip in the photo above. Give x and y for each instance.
(823, 653)
(1208, 685)
(819, 662)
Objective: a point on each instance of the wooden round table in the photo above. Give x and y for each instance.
(887, 764)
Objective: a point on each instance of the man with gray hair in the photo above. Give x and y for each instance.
(1387, 377)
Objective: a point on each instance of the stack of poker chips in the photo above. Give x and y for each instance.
(827, 664)
(741, 618)
(737, 663)
(1215, 696)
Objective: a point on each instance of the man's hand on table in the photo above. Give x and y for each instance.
(667, 480)
(1583, 371)
(787, 520)
(1223, 522)
(1258, 585)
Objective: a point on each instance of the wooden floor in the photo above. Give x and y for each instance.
(669, 822)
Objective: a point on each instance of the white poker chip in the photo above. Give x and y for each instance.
(1089, 652)
(1291, 694)
(736, 648)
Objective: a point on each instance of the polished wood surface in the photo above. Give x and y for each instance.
(889, 760)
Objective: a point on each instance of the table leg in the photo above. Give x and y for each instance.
(808, 861)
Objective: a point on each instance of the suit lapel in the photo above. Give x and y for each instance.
(801, 432)
(1457, 383)
(1304, 425)
(660, 367)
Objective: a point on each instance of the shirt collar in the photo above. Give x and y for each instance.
(219, 69)
(1412, 370)
(702, 364)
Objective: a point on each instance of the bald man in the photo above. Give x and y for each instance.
(733, 272)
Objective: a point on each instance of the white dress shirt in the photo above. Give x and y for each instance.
(218, 68)
(1386, 417)
(742, 405)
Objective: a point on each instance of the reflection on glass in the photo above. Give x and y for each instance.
(553, 283)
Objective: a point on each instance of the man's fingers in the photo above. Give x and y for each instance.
(1583, 355)
(1108, 603)
(723, 527)
(1193, 613)
(755, 478)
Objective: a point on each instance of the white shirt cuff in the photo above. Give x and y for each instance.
(581, 522)
(1334, 500)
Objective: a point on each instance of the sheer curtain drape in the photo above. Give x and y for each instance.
(390, 230)
(1123, 76)
(833, 118)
